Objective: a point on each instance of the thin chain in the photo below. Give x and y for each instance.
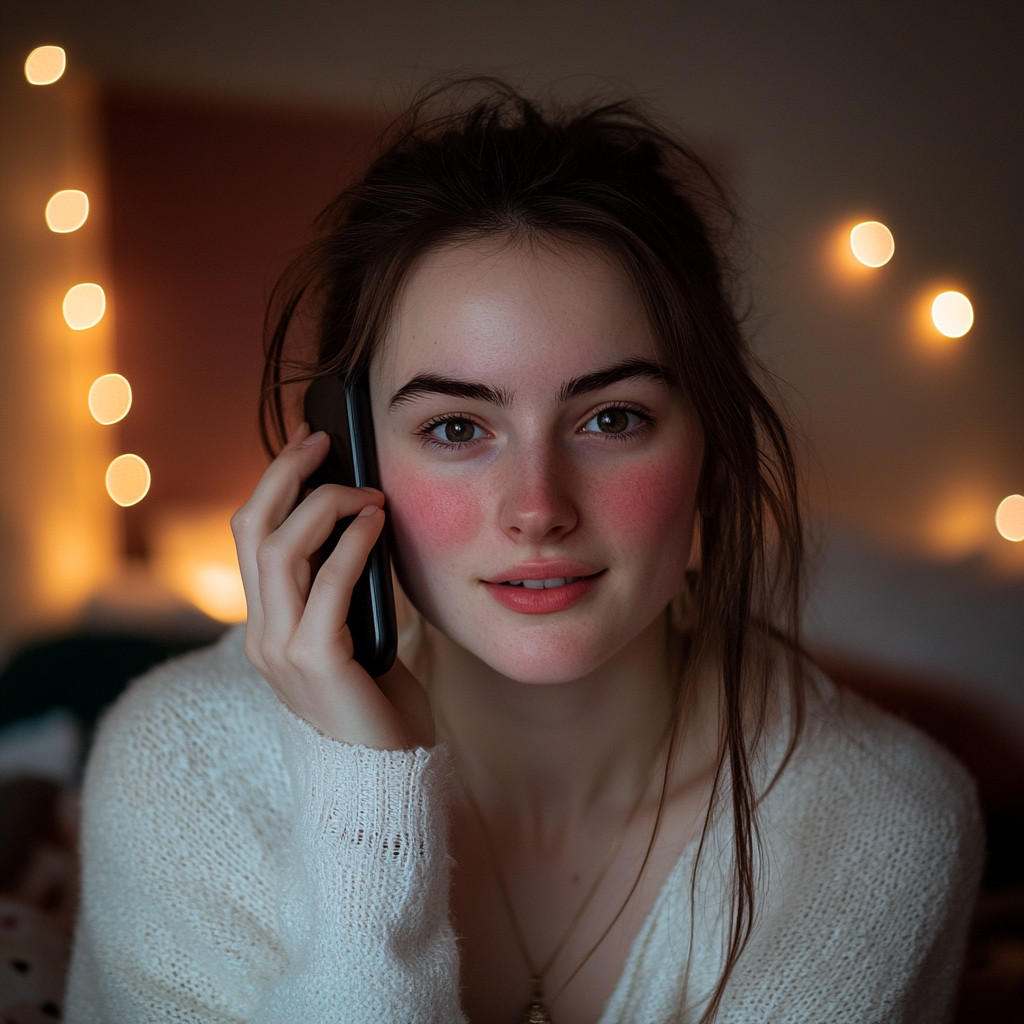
(506, 895)
(537, 974)
(643, 866)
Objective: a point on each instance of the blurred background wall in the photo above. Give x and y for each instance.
(213, 132)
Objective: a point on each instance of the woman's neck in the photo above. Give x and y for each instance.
(551, 754)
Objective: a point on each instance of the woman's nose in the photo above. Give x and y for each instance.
(537, 501)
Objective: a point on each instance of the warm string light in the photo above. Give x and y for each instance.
(872, 243)
(45, 65)
(72, 542)
(1010, 518)
(84, 306)
(67, 210)
(952, 314)
(110, 398)
(128, 479)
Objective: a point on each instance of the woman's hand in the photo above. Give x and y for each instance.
(296, 634)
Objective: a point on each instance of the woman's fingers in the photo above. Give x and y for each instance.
(282, 559)
(278, 491)
(329, 598)
(274, 539)
(270, 504)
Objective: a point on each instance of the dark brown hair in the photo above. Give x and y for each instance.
(457, 167)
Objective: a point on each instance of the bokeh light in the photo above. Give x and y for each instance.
(1010, 517)
(959, 521)
(73, 551)
(67, 210)
(110, 398)
(952, 314)
(194, 554)
(45, 64)
(128, 480)
(84, 306)
(872, 243)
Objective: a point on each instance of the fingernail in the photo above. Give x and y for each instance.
(370, 510)
(313, 438)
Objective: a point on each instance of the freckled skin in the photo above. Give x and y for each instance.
(435, 515)
(536, 485)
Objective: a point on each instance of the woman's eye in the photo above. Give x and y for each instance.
(455, 431)
(612, 421)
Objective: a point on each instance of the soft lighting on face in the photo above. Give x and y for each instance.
(1010, 517)
(872, 243)
(67, 210)
(128, 480)
(84, 306)
(194, 554)
(45, 64)
(952, 314)
(110, 398)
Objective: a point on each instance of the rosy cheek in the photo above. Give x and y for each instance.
(647, 502)
(433, 515)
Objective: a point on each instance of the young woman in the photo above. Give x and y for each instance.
(601, 783)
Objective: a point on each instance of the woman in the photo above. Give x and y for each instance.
(601, 782)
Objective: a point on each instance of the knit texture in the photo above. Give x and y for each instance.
(240, 866)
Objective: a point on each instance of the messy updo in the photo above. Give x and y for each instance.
(476, 158)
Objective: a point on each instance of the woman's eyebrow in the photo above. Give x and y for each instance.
(431, 384)
(625, 370)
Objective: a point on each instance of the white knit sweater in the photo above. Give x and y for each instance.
(240, 866)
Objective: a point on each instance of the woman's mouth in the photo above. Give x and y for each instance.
(551, 584)
(542, 596)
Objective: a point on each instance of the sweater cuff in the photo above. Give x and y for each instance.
(390, 803)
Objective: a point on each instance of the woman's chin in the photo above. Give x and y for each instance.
(544, 664)
(541, 651)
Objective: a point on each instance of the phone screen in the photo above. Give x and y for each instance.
(342, 411)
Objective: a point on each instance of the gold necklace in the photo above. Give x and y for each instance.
(536, 1011)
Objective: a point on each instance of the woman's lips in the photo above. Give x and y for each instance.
(539, 597)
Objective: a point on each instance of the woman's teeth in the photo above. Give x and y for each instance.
(558, 581)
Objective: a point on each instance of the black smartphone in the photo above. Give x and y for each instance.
(342, 411)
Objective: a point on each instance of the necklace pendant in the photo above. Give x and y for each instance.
(536, 1013)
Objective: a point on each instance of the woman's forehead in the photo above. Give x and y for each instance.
(515, 311)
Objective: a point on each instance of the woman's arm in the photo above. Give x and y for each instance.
(241, 866)
(371, 886)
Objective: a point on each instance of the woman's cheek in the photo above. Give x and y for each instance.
(433, 517)
(649, 504)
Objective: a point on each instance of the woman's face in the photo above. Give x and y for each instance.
(540, 473)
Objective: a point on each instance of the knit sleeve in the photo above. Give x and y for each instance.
(370, 886)
(241, 868)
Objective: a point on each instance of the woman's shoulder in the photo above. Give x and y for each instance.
(195, 721)
(862, 779)
(856, 744)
